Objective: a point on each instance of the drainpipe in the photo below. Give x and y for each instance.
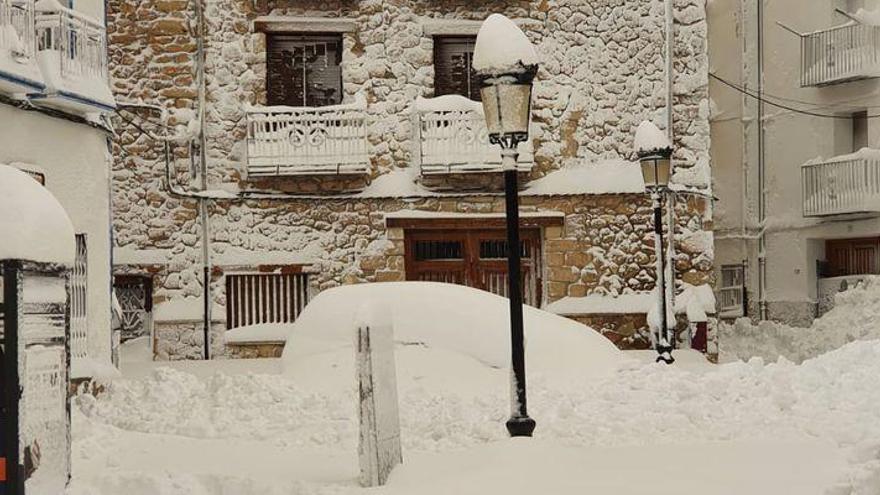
(670, 196)
(762, 174)
(203, 173)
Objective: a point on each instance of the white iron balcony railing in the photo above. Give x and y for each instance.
(840, 54)
(305, 140)
(17, 28)
(451, 137)
(79, 41)
(845, 185)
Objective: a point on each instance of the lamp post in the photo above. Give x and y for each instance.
(506, 65)
(655, 157)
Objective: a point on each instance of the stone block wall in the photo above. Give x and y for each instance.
(601, 74)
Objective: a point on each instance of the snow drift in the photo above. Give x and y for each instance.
(855, 316)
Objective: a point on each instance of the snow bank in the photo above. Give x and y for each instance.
(649, 138)
(700, 298)
(34, 224)
(855, 316)
(452, 318)
(502, 46)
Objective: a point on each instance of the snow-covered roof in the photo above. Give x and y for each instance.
(502, 46)
(650, 138)
(34, 224)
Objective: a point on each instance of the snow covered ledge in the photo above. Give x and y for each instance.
(298, 24)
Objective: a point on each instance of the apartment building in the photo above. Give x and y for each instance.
(794, 139)
(319, 143)
(54, 98)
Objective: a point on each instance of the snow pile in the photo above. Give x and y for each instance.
(34, 223)
(452, 318)
(650, 139)
(502, 47)
(855, 316)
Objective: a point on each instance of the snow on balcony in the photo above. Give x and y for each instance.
(451, 137)
(842, 185)
(72, 54)
(307, 140)
(19, 73)
(838, 54)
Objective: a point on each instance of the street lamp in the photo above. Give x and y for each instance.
(506, 64)
(655, 157)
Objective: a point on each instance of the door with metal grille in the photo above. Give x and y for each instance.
(475, 258)
(135, 295)
(253, 298)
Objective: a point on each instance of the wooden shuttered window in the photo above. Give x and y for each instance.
(453, 67)
(304, 70)
(265, 298)
(853, 257)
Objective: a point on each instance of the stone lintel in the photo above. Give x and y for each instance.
(299, 24)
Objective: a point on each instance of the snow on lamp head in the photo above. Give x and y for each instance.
(655, 152)
(506, 63)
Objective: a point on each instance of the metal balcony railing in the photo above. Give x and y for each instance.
(295, 141)
(841, 186)
(451, 136)
(17, 32)
(840, 54)
(81, 42)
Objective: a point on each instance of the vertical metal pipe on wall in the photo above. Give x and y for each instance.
(204, 216)
(762, 192)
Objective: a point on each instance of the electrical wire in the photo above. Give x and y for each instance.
(763, 99)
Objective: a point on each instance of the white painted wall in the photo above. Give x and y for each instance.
(74, 158)
(794, 243)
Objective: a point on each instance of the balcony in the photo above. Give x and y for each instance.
(19, 73)
(839, 54)
(451, 137)
(288, 141)
(72, 54)
(845, 185)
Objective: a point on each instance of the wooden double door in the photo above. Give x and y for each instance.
(475, 258)
(853, 256)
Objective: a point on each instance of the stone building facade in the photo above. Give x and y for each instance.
(601, 74)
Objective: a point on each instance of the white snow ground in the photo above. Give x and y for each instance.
(214, 428)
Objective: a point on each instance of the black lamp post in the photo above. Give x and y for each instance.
(655, 157)
(506, 92)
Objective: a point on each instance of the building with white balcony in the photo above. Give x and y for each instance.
(54, 99)
(796, 171)
(320, 143)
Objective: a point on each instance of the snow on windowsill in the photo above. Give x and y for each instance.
(447, 103)
(584, 177)
(441, 214)
(259, 334)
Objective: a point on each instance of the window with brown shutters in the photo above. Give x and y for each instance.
(304, 70)
(453, 67)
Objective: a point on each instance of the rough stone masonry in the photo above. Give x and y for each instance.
(601, 74)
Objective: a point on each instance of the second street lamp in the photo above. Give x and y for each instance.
(655, 158)
(506, 65)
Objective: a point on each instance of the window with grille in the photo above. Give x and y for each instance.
(265, 298)
(732, 290)
(304, 70)
(79, 323)
(453, 67)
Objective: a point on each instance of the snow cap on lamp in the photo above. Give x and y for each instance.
(502, 47)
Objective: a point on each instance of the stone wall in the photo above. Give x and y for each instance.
(601, 74)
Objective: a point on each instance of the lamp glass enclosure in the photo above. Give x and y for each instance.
(656, 170)
(506, 107)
